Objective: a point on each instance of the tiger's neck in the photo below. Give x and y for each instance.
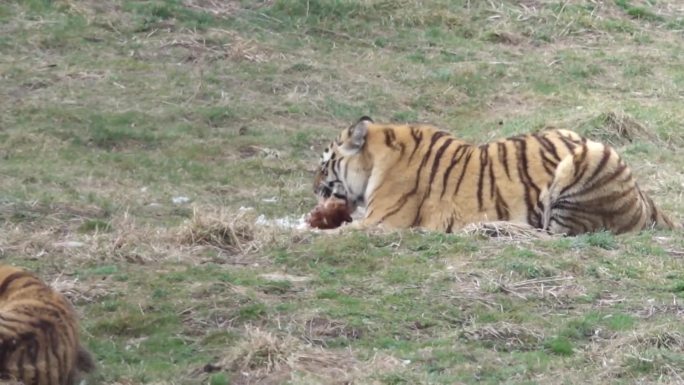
(409, 163)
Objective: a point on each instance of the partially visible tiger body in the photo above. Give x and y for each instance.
(592, 190)
(39, 342)
(420, 176)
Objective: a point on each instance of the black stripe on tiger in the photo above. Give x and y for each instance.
(593, 204)
(484, 158)
(492, 180)
(602, 181)
(390, 137)
(533, 217)
(437, 161)
(502, 211)
(569, 143)
(502, 153)
(602, 163)
(435, 137)
(548, 164)
(455, 159)
(463, 171)
(417, 136)
(549, 147)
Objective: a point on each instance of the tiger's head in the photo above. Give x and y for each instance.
(346, 166)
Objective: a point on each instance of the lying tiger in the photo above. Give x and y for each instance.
(420, 176)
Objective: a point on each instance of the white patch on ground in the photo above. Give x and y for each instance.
(299, 223)
(180, 200)
(284, 277)
(284, 222)
(69, 244)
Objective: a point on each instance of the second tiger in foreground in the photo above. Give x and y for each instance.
(39, 342)
(420, 176)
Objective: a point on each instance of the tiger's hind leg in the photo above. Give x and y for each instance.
(594, 190)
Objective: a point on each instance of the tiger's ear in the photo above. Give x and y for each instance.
(356, 137)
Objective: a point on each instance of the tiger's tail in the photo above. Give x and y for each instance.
(659, 220)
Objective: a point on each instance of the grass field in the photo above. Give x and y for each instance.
(133, 132)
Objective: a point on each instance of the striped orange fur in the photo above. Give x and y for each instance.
(39, 342)
(593, 190)
(420, 176)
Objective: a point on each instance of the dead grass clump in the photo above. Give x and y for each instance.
(505, 336)
(655, 351)
(472, 289)
(213, 7)
(263, 352)
(661, 340)
(558, 288)
(50, 214)
(266, 358)
(655, 310)
(508, 231)
(618, 129)
(80, 292)
(319, 330)
(504, 37)
(234, 233)
(215, 44)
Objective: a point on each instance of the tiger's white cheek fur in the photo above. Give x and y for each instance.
(357, 183)
(327, 154)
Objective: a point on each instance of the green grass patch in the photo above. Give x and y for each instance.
(560, 346)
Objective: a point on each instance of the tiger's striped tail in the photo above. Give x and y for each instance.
(659, 220)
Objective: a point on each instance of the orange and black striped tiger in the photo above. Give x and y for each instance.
(39, 342)
(420, 176)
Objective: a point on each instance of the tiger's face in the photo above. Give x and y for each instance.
(344, 167)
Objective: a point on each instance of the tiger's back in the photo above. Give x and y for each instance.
(39, 342)
(420, 176)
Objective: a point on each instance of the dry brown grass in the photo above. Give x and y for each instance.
(558, 288)
(505, 336)
(227, 231)
(264, 357)
(319, 329)
(505, 231)
(618, 356)
(619, 128)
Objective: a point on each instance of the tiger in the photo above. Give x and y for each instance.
(417, 175)
(39, 341)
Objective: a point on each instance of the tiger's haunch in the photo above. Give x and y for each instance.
(39, 342)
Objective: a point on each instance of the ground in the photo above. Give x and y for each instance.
(140, 141)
